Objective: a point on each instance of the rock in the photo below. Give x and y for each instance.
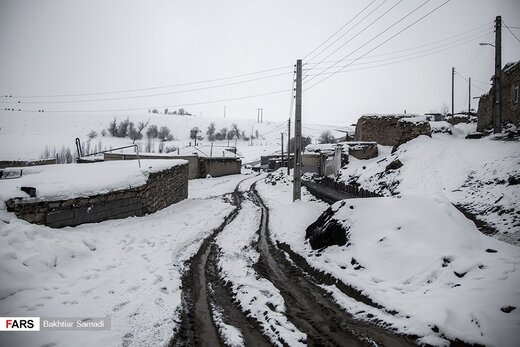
(394, 165)
(327, 231)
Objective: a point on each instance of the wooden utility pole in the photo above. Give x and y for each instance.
(297, 185)
(289, 146)
(282, 147)
(261, 115)
(224, 111)
(469, 95)
(497, 103)
(452, 91)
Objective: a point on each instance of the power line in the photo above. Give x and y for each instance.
(477, 34)
(465, 79)
(145, 96)
(391, 37)
(148, 88)
(342, 35)
(431, 50)
(381, 33)
(339, 30)
(155, 106)
(510, 31)
(369, 25)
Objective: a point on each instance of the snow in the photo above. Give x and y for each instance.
(56, 182)
(472, 173)
(129, 270)
(401, 245)
(231, 335)
(254, 293)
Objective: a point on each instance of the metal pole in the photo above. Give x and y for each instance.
(297, 194)
(497, 105)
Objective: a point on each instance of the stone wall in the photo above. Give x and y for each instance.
(21, 163)
(510, 108)
(390, 130)
(217, 167)
(162, 189)
(363, 150)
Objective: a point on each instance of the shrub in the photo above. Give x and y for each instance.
(92, 134)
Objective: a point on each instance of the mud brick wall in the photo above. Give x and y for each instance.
(363, 150)
(162, 189)
(389, 130)
(217, 167)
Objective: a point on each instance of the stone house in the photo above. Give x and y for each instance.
(510, 99)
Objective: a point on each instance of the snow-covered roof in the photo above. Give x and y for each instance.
(67, 181)
(509, 67)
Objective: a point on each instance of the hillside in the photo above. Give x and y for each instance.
(25, 135)
(480, 176)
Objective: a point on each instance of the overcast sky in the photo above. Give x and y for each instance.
(62, 47)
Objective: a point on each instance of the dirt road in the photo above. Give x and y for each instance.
(307, 306)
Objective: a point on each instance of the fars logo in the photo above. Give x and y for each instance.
(19, 323)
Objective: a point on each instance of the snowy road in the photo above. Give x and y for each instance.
(240, 289)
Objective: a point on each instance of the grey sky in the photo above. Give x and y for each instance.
(74, 47)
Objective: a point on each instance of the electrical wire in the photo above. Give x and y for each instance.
(155, 106)
(143, 89)
(345, 33)
(431, 50)
(390, 38)
(144, 96)
(375, 37)
(362, 30)
(348, 22)
(510, 31)
(424, 45)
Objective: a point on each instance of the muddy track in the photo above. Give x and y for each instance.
(309, 307)
(203, 289)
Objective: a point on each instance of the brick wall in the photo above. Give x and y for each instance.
(389, 130)
(162, 189)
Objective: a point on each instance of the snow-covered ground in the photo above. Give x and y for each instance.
(481, 175)
(416, 255)
(25, 135)
(129, 270)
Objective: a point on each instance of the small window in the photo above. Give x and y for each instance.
(514, 90)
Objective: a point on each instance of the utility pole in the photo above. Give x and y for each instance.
(497, 103)
(452, 91)
(261, 115)
(289, 146)
(297, 185)
(469, 96)
(224, 111)
(282, 147)
(257, 115)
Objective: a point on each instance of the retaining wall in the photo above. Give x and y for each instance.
(21, 163)
(162, 189)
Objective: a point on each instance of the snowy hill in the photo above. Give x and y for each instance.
(479, 175)
(25, 135)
